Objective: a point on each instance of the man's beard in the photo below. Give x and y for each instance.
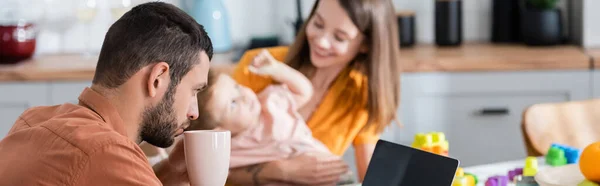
(159, 122)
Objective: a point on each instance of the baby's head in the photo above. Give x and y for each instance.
(226, 104)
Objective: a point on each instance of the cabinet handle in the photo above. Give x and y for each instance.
(493, 111)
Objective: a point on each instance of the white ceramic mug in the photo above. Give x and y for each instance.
(207, 154)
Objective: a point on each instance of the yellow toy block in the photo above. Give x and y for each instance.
(460, 179)
(434, 142)
(531, 166)
(422, 140)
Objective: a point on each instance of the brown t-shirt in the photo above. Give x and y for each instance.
(84, 144)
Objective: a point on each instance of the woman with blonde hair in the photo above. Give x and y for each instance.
(349, 50)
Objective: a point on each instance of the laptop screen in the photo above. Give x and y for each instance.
(398, 165)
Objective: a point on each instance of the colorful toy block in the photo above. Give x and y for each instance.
(531, 166)
(571, 154)
(556, 157)
(497, 181)
(464, 179)
(529, 171)
(587, 183)
(514, 173)
(459, 178)
(434, 142)
(471, 179)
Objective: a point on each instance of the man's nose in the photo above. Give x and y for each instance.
(193, 111)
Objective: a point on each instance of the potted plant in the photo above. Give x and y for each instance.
(541, 23)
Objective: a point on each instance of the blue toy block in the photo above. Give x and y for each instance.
(572, 154)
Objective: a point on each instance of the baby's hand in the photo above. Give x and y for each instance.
(264, 64)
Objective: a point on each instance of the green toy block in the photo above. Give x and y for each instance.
(556, 157)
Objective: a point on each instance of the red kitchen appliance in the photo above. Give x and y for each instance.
(17, 30)
(17, 41)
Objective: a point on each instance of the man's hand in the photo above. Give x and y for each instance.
(177, 158)
(173, 170)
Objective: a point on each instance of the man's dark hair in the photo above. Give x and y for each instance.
(151, 33)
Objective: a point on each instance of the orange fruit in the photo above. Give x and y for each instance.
(589, 162)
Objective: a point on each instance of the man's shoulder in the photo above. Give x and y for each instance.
(89, 135)
(78, 126)
(39, 115)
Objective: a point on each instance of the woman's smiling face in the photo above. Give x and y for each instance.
(332, 36)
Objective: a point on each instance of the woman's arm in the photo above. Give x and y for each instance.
(258, 174)
(306, 169)
(363, 154)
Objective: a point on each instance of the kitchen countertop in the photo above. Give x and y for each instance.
(471, 57)
(594, 54)
(492, 57)
(50, 67)
(72, 67)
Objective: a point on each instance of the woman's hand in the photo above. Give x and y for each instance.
(312, 169)
(264, 64)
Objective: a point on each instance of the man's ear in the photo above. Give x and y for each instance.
(158, 81)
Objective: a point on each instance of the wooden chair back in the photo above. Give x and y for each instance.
(575, 123)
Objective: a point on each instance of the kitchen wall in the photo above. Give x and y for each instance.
(477, 15)
(590, 26)
(52, 38)
(261, 18)
(275, 17)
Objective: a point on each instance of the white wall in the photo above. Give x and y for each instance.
(49, 38)
(259, 18)
(591, 27)
(476, 18)
(281, 14)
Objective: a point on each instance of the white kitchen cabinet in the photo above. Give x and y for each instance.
(16, 98)
(480, 113)
(596, 84)
(67, 91)
(476, 137)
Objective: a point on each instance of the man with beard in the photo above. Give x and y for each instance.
(153, 62)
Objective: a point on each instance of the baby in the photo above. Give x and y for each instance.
(264, 126)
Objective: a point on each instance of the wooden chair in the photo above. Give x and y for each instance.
(576, 124)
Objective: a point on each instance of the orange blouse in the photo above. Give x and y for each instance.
(341, 116)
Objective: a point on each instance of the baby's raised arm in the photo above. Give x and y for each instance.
(299, 85)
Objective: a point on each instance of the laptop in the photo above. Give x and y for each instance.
(398, 165)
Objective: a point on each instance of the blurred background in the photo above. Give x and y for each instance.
(471, 69)
(66, 26)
